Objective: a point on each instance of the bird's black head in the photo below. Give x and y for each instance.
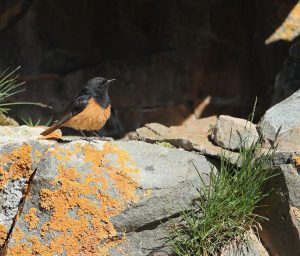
(99, 84)
(97, 87)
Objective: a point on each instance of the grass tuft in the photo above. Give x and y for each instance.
(9, 86)
(225, 208)
(29, 122)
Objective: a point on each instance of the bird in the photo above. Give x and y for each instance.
(89, 110)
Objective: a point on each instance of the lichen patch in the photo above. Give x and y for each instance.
(16, 165)
(296, 160)
(31, 219)
(65, 154)
(3, 234)
(18, 234)
(80, 205)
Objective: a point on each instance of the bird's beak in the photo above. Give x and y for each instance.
(110, 81)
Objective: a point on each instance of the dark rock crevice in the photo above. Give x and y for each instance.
(19, 213)
(154, 224)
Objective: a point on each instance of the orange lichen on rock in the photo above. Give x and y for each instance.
(296, 160)
(38, 154)
(31, 219)
(80, 205)
(3, 234)
(18, 234)
(65, 154)
(16, 165)
(20, 249)
(120, 175)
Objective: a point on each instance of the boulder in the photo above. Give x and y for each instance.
(233, 133)
(283, 121)
(105, 198)
(281, 231)
(192, 136)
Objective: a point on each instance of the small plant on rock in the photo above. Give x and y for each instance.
(225, 208)
(29, 122)
(9, 86)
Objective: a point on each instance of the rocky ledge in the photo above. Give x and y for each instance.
(73, 197)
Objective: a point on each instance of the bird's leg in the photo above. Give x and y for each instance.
(86, 138)
(97, 135)
(101, 138)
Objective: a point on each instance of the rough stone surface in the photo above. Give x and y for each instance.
(281, 232)
(252, 247)
(232, 133)
(137, 182)
(24, 132)
(5, 120)
(284, 115)
(166, 175)
(17, 164)
(147, 241)
(192, 136)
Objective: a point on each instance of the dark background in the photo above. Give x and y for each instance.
(166, 55)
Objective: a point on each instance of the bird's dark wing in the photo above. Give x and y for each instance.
(74, 108)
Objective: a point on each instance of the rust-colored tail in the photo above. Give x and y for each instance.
(51, 129)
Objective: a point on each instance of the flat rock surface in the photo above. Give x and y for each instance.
(193, 136)
(233, 133)
(24, 132)
(286, 117)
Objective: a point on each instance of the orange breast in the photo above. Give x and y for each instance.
(92, 118)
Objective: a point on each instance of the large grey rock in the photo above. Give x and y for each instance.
(286, 117)
(84, 197)
(17, 164)
(149, 240)
(281, 231)
(233, 133)
(167, 175)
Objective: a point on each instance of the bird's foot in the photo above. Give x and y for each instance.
(89, 140)
(102, 137)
